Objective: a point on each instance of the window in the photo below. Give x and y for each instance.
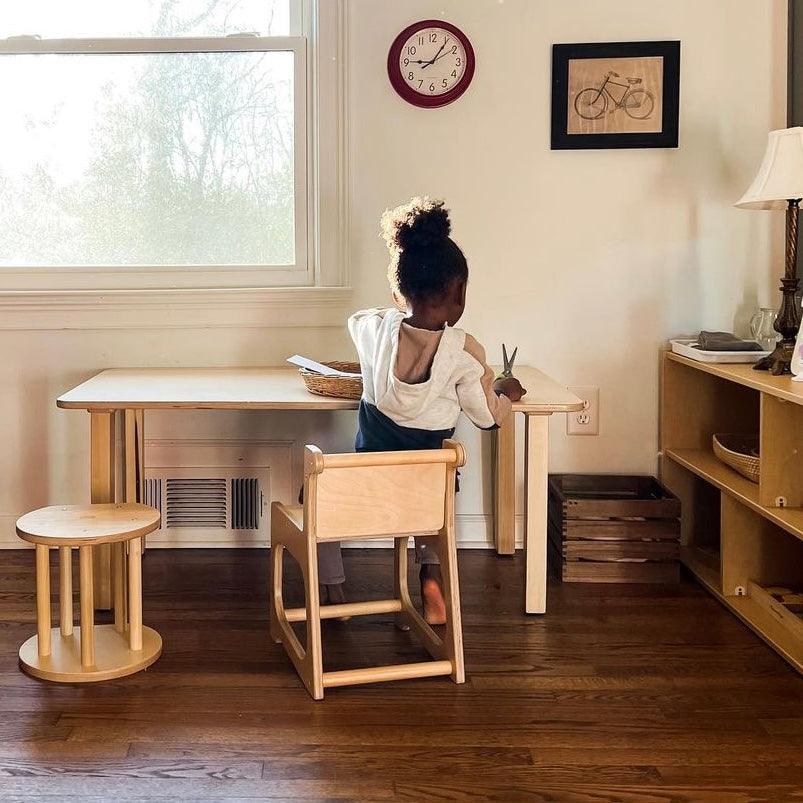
(159, 144)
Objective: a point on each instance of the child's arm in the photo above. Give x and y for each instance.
(486, 401)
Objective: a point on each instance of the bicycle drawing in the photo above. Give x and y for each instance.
(592, 102)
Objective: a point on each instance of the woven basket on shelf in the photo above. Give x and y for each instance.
(740, 452)
(344, 387)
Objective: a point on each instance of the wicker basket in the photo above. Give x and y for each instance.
(343, 387)
(740, 452)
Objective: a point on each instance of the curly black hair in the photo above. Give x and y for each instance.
(424, 259)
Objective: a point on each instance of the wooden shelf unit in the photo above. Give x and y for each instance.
(738, 537)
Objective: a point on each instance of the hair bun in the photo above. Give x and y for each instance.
(420, 223)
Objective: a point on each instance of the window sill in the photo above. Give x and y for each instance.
(175, 309)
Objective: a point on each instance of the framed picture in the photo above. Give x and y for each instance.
(615, 95)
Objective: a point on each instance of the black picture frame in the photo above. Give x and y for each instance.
(639, 110)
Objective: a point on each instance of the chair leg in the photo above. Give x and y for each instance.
(135, 594)
(313, 677)
(87, 594)
(119, 585)
(401, 590)
(308, 659)
(453, 638)
(65, 590)
(43, 598)
(277, 614)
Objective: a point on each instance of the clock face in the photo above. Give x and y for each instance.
(431, 63)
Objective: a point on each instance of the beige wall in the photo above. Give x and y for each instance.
(587, 260)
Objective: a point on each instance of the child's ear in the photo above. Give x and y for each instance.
(399, 301)
(460, 292)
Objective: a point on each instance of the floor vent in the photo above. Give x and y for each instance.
(246, 503)
(153, 493)
(196, 502)
(209, 507)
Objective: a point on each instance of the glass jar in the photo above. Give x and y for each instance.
(761, 328)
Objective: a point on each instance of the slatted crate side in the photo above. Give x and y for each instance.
(615, 530)
(621, 550)
(591, 496)
(624, 539)
(613, 549)
(621, 508)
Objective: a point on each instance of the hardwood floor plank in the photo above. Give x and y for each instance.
(178, 789)
(598, 793)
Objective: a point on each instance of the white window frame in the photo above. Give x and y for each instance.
(79, 298)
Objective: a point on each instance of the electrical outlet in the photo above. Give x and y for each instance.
(585, 421)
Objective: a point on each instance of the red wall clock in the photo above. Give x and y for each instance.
(431, 63)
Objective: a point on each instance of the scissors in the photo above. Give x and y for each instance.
(507, 369)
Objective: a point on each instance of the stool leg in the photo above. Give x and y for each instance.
(119, 585)
(135, 594)
(43, 598)
(65, 590)
(87, 593)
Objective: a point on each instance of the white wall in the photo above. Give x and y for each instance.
(587, 260)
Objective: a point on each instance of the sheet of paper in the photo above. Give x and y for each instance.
(317, 367)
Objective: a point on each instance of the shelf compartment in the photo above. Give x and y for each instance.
(698, 404)
(699, 512)
(754, 549)
(705, 465)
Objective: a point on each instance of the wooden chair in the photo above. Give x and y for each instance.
(364, 496)
(89, 652)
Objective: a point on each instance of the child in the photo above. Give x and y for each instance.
(418, 371)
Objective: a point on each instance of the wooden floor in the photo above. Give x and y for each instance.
(619, 693)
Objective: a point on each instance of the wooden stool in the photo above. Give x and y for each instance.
(89, 652)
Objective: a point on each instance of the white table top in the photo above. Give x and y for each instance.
(256, 388)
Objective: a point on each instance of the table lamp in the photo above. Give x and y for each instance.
(779, 185)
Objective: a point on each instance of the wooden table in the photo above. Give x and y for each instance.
(120, 396)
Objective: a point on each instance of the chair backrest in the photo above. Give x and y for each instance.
(354, 495)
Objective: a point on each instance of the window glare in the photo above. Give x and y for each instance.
(57, 19)
(157, 159)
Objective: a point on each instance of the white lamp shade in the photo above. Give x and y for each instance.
(780, 177)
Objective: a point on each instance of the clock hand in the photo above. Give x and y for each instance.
(433, 60)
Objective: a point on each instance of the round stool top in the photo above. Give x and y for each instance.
(79, 525)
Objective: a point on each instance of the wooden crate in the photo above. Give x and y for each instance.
(613, 528)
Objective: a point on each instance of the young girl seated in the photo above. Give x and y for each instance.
(419, 371)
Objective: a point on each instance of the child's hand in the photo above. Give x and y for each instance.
(510, 387)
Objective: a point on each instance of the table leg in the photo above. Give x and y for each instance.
(102, 490)
(536, 453)
(133, 462)
(505, 487)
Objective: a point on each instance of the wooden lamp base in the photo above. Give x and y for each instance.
(780, 361)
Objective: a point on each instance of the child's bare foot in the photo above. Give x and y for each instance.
(432, 594)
